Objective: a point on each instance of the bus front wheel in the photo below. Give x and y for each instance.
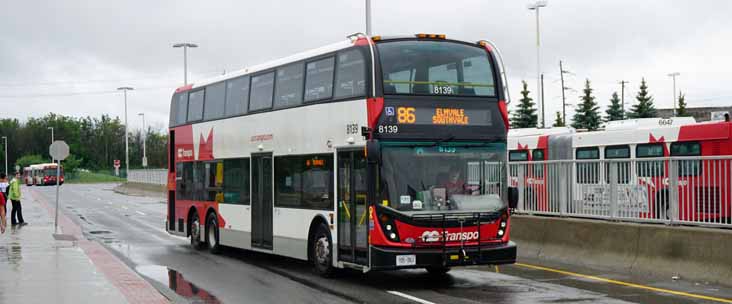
(212, 233)
(322, 251)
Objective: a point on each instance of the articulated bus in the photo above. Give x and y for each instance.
(639, 158)
(373, 153)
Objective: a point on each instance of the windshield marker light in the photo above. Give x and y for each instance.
(431, 36)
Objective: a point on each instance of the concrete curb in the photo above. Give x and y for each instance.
(140, 189)
(701, 254)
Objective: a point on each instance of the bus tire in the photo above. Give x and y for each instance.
(322, 251)
(194, 229)
(438, 270)
(212, 233)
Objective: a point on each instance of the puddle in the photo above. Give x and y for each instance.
(177, 283)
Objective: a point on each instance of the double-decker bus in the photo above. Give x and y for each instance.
(43, 174)
(372, 153)
(638, 158)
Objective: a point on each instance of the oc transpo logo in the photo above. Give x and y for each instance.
(182, 153)
(434, 236)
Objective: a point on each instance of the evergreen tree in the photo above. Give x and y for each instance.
(525, 115)
(614, 110)
(644, 108)
(681, 110)
(558, 121)
(587, 115)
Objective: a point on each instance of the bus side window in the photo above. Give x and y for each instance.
(350, 74)
(588, 172)
(616, 154)
(514, 156)
(649, 168)
(687, 167)
(538, 155)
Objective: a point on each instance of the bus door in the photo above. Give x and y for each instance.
(352, 207)
(262, 201)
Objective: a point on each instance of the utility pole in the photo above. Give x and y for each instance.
(535, 7)
(543, 124)
(622, 96)
(51, 128)
(144, 140)
(564, 100)
(368, 18)
(6, 155)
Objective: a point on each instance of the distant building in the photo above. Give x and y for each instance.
(700, 114)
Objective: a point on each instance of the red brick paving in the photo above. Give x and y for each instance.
(128, 282)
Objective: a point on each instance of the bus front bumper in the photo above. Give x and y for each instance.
(383, 258)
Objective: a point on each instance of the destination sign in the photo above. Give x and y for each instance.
(445, 116)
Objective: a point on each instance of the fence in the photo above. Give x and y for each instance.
(148, 176)
(673, 190)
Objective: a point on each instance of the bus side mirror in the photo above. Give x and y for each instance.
(373, 151)
(513, 197)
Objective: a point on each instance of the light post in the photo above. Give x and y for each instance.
(368, 17)
(5, 138)
(185, 46)
(127, 141)
(51, 128)
(673, 76)
(535, 7)
(144, 139)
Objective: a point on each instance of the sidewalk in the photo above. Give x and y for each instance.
(36, 268)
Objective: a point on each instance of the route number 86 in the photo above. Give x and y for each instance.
(405, 115)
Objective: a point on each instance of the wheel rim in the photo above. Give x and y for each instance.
(322, 250)
(195, 230)
(212, 236)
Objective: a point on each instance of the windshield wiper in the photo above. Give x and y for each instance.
(448, 138)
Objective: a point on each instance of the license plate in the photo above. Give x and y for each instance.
(406, 260)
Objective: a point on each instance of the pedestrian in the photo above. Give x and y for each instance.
(3, 223)
(16, 215)
(4, 187)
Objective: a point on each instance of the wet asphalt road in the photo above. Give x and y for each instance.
(133, 227)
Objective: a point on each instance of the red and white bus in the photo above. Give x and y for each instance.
(372, 153)
(639, 155)
(42, 174)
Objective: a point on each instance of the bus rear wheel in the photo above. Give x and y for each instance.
(195, 231)
(322, 251)
(438, 270)
(212, 234)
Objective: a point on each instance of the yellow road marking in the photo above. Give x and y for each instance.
(633, 285)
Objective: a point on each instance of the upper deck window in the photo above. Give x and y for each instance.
(195, 105)
(288, 91)
(319, 80)
(237, 96)
(262, 90)
(435, 68)
(214, 106)
(179, 109)
(351, 74)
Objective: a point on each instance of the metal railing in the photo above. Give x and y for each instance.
(672, 190)
(148, 176)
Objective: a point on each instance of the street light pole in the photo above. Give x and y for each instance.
(535, 7)
(52, 160)
(6, 155)
(185, 46)
(144, 140)
(127, 141)
(368, 17)
(673, 76)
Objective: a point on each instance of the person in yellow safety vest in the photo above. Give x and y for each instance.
(16, 215)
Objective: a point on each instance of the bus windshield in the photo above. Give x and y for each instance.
(418, 67)
(428, 179)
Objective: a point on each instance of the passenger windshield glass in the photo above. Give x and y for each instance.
(435, 68)
(442, 178)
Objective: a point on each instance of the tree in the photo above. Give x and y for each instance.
(558, 121)
(681, 111)
(525, 115)
(644, 108)
(587, 115)
(30, 159)
(615, 109)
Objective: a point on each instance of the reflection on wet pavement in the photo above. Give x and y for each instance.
(177, 283)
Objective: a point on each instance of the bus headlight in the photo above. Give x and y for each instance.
(500, 232)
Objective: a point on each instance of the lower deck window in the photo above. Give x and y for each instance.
(304, 181)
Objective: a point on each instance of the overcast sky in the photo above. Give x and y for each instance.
(68, 57)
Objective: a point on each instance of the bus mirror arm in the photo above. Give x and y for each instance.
(513, 197)
(373, 151)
